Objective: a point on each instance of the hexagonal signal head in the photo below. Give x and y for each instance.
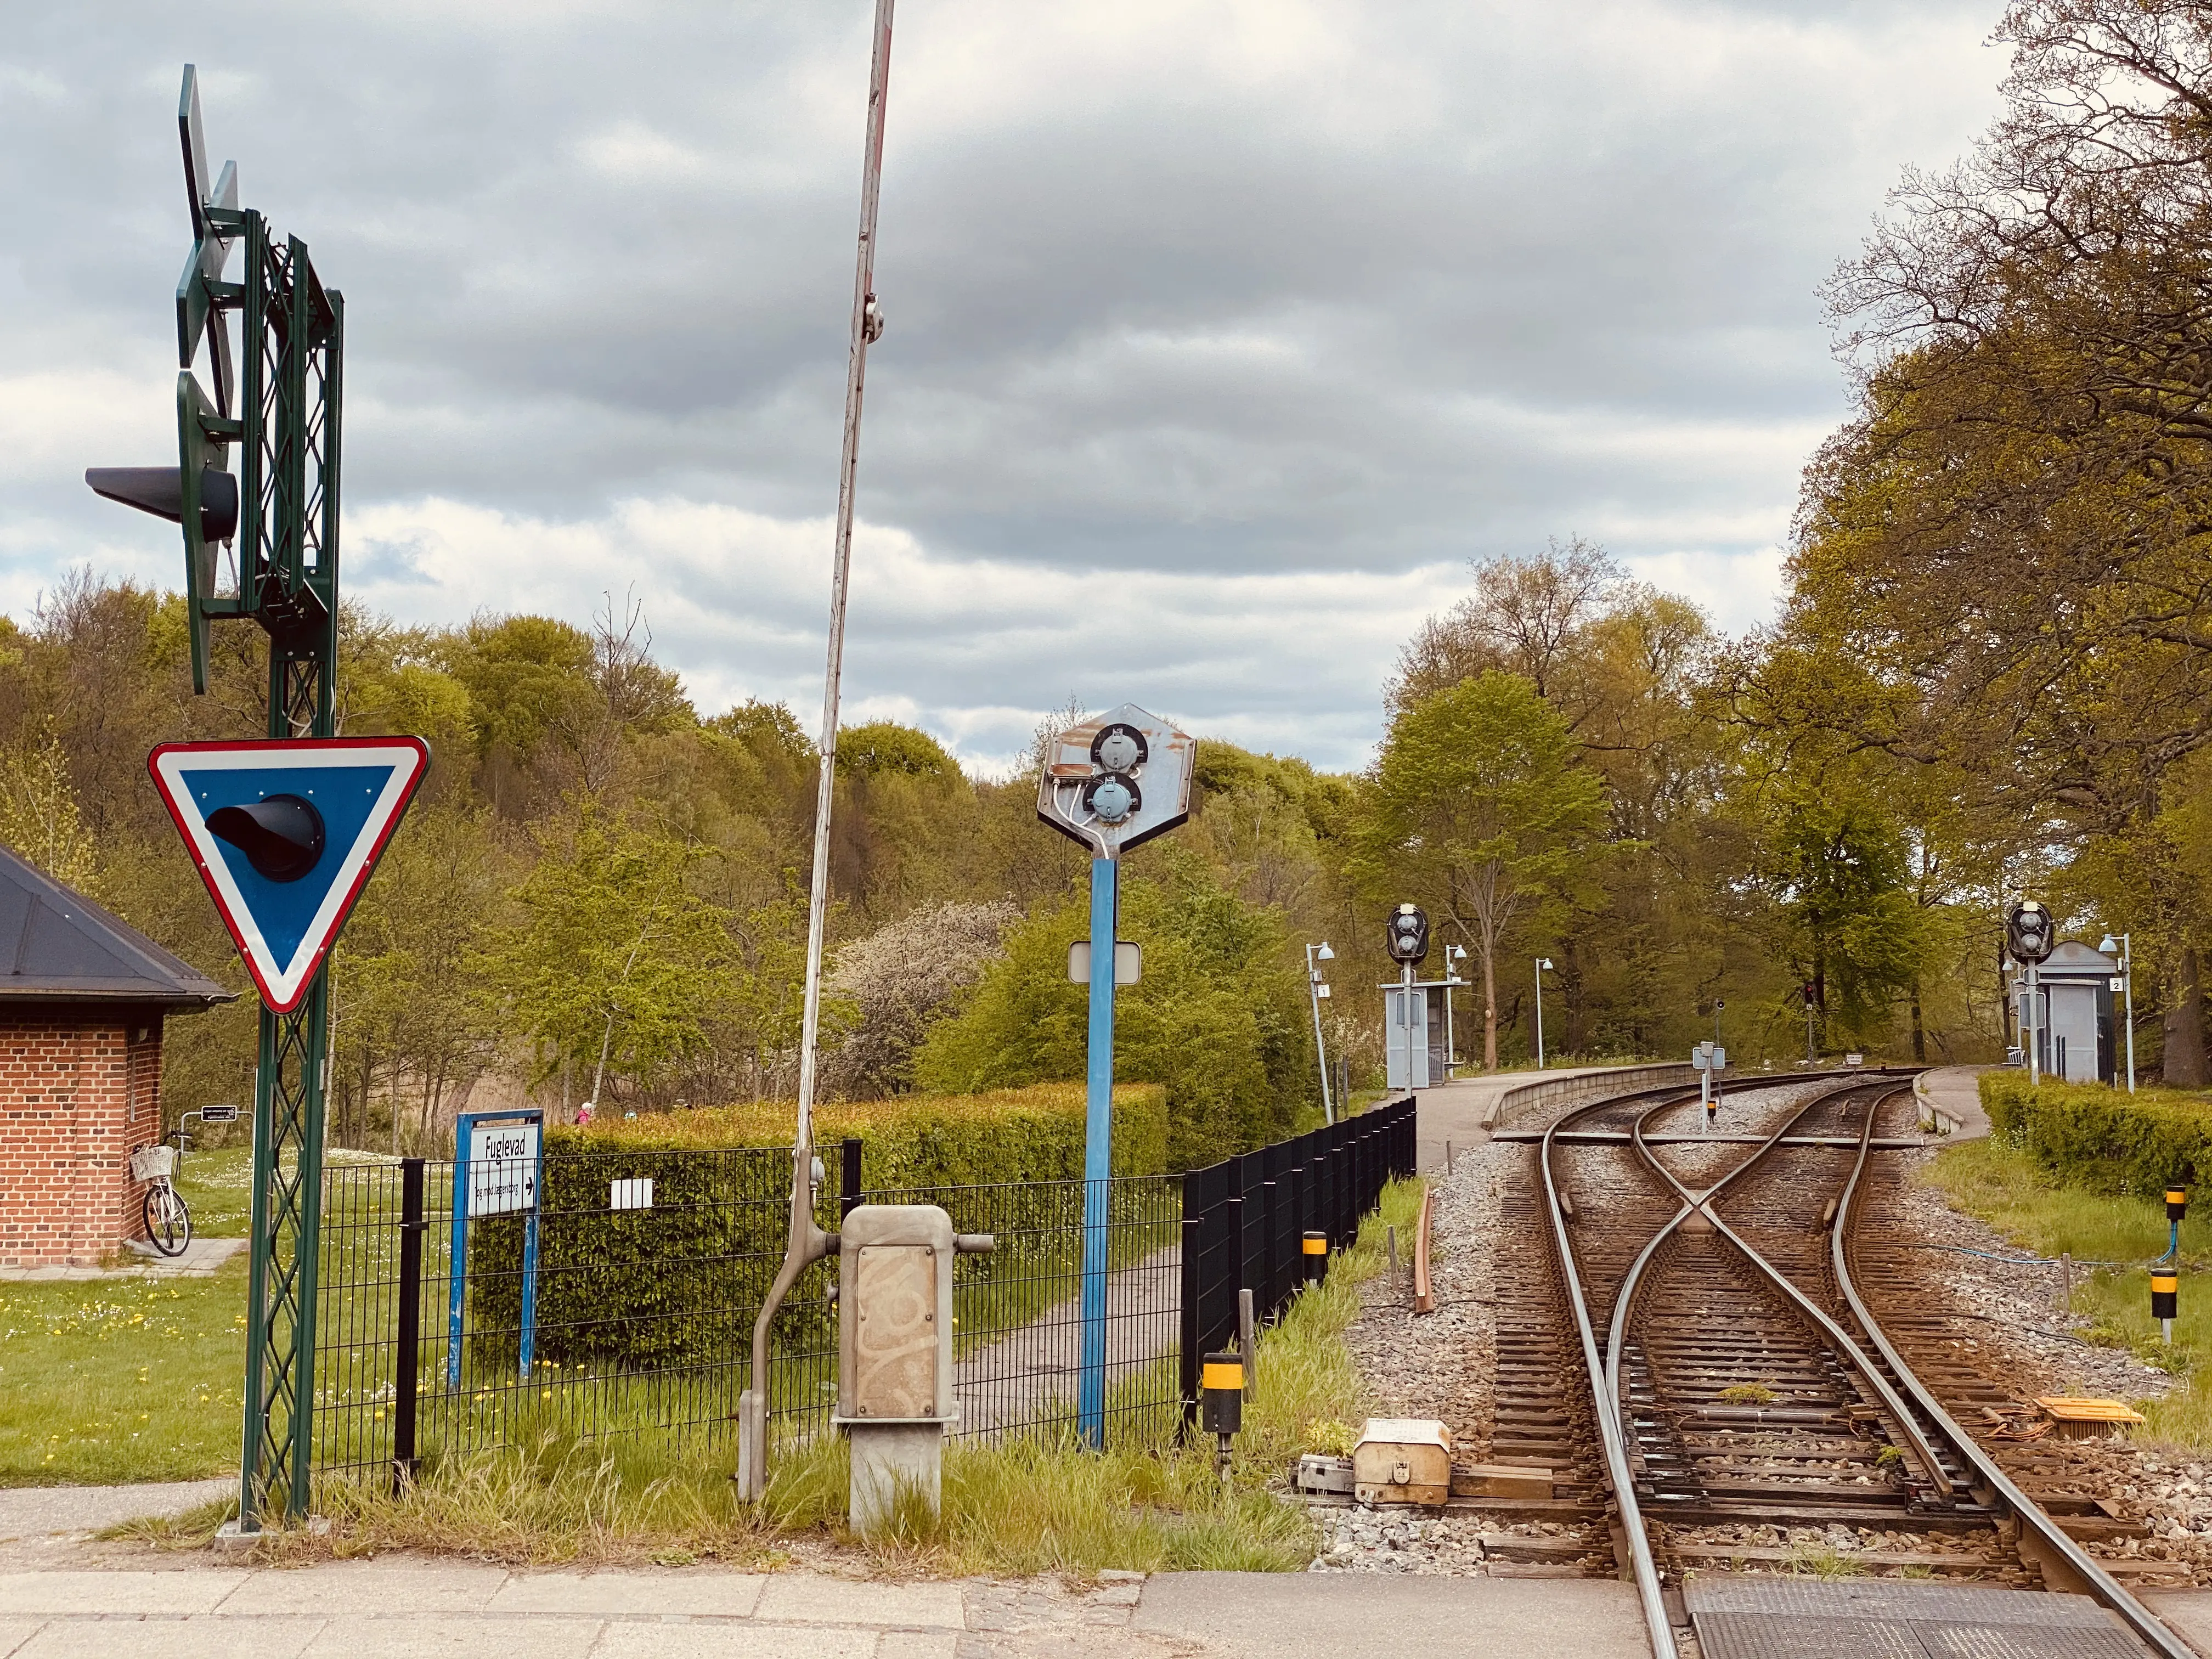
(1117, 780)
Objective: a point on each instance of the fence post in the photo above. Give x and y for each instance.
(407, 1362)
(1187, 1334)
(848, 1176)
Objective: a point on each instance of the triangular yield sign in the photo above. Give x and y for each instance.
(283, 891)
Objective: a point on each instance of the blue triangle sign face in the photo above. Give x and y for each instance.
(285, 835)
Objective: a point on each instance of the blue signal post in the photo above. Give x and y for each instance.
(1097, 1150)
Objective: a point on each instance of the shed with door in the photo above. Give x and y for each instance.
(2075, 1022)
(82, 998)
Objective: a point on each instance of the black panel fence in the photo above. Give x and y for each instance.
(1245, 1219)
(625, 1311)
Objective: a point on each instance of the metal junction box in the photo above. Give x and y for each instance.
(1401, 1459)
(895, 1314)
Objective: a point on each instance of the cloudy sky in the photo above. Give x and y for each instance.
(1223, 333)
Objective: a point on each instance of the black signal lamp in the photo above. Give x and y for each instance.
(1407, 938)
(2031, 932)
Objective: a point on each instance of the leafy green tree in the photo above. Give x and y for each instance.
(617, 961)
(409, 1018)
(1476, 808)
(1219, 1018)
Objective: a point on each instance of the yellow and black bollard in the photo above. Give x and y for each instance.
(2165, 1297)
(1316, 1257)
(1221, 1399)
(2177, 1202)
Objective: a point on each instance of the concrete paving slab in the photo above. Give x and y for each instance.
(14, 1632)
(40, 1511)
(171, 1595)
(2186, 1612)
(1327, 1615)
(333, 1588)
(810, 1598)
(719, 1641)
(436, 1637)
(171, 1639)
(632, 1594)
(918, 1644)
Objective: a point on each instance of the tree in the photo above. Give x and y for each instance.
(1841, 874)
(617, 963)
(887, 990)
(1219, 1018)
(1476, 806)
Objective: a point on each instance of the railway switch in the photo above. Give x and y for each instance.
(1316, 1257)
(1221, 1399)
(2165, 1298)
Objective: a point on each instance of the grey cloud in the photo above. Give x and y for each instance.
(1476, 275)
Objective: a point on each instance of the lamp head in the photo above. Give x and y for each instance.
(2108, 945)
(1543, 962)
(1324, 954)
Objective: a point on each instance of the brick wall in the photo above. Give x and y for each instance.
(79, 1089)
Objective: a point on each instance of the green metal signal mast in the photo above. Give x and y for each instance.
(276, 401)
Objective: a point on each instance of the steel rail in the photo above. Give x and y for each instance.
(1629, 1286)
(1845, 1344)
(2049, 1533)
(1658, 1627)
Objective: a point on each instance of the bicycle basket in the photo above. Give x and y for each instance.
(152, 1163)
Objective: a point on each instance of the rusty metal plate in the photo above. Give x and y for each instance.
(895, 1341)
(1785, 1635)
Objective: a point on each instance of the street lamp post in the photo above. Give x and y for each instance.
(1314, 990)
(2127, 989)
(1542, 963)
(1453, 955)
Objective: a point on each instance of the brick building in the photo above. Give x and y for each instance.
(83, 997)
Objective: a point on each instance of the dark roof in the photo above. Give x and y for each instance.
(56, 945)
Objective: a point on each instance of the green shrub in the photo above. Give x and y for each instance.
(2103, 1138)
(1219, 1018)
(677, 1286)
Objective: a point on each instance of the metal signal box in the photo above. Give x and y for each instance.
(894, 1397)
(894, 1314)
(1402, 1460)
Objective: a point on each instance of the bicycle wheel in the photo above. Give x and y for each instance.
(168, 1223)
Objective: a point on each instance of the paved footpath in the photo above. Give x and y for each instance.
(400, 1608)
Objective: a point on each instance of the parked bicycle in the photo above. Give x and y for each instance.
(168, 1221)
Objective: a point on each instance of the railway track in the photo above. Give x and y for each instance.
(1690, 1347)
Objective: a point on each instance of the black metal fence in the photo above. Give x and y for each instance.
(617, 1310)
(1245, 1219)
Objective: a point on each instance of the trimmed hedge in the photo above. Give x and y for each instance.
(918, 1140)
(2103, 1138)
(677, 1286)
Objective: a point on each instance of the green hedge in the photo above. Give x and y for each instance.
(2103, 1138)
(677, 1285)
(919, 1140)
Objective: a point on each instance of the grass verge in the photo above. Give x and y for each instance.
(2004, 1187)
(1028, 1506)
(115, 1380)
